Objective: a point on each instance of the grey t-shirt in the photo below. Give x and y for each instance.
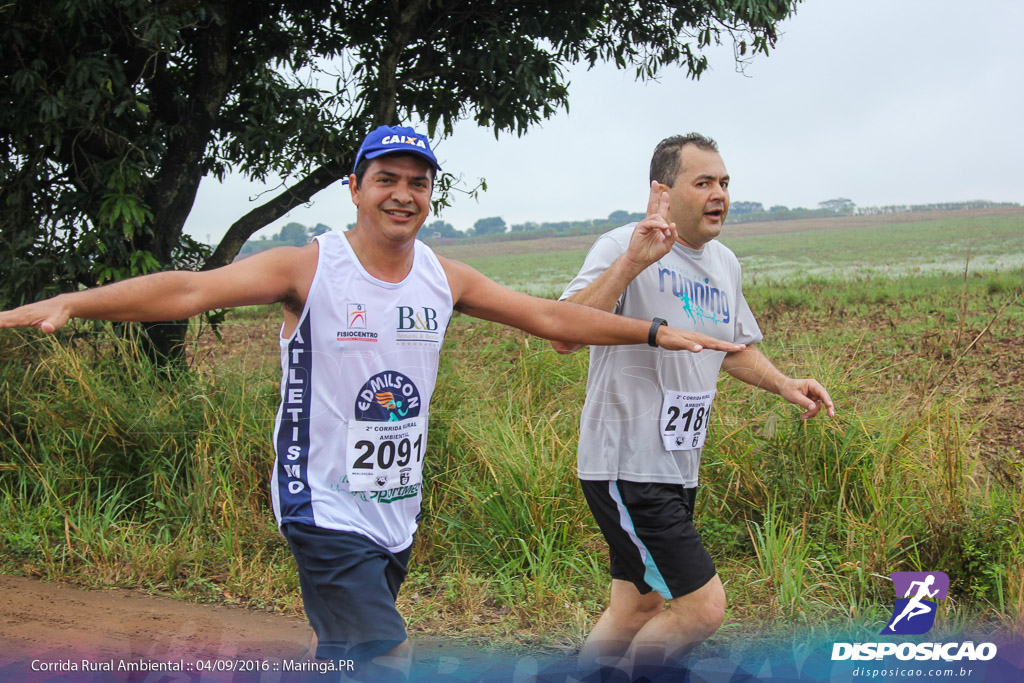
(696, 290)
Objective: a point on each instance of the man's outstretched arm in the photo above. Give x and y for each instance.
(754, 368)
(271, 276)
(477, 295)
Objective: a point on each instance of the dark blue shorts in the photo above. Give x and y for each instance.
(652, 542)
(349, 587)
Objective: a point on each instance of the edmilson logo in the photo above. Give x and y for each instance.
(387, 397)
(917, 600)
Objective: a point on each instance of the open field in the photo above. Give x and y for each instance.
(111, 475)
(900, 244)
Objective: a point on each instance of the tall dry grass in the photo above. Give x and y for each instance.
(113, 474)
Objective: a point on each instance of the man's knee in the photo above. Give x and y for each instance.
(700, 622)
(703, 610)
(632, 610)
(640, 615)
(711, 616)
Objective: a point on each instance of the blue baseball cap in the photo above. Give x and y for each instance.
(394, 139)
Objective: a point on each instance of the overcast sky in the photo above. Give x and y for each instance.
(878, 101)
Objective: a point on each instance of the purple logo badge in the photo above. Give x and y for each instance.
(917, 599)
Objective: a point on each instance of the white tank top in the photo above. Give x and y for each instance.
(357, 376)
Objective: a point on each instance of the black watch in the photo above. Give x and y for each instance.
(652, 336)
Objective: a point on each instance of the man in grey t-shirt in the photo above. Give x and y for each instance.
(646, 412)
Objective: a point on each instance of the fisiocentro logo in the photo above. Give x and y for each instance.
(917, 601)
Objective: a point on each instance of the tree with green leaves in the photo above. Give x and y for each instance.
(291, 235)
(442, 229)
(114, 110)
(841, 206)
(490, 226)
(746, 207)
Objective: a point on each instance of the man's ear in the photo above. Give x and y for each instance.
(353, 188)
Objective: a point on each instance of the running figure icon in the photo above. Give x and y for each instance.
(916, 606)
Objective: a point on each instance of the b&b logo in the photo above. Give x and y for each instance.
(917, 596)
(410, 319)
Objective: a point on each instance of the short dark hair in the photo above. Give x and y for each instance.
(666, 163)
(364, 163)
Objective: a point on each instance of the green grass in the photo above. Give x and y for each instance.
(944, 243)
(111, 474)
(133, 479)
(546, 274)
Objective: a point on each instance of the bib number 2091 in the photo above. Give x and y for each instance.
(385, 455)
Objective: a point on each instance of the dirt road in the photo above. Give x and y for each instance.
(50, 632)
(53, 623)
(57, 634)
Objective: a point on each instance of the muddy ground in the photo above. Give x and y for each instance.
(54, 632)
(51, 621)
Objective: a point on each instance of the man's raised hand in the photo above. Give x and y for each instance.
(654, 235)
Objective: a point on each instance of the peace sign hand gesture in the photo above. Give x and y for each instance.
(654, 235)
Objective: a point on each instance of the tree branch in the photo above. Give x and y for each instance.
(406, 23)
(174, 188)
(297, 194)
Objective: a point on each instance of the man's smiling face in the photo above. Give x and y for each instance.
(394, 194)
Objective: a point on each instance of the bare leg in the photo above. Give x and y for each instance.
(689, 620)
(628, 611)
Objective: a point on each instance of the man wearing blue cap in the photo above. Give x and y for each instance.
(365, 314)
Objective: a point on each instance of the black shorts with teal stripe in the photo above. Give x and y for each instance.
(652, 542)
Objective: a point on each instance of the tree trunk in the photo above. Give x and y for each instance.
(173, 191)
(164, 344)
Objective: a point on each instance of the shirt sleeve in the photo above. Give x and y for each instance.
(747, 329)
(600, 257)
